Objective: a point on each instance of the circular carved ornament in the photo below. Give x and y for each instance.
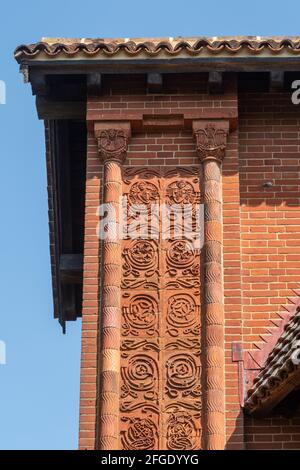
(181, 311)
(180, 254)
(141, 254)
(181, 192)
(140, 373)
(182, 375)
(142, 312)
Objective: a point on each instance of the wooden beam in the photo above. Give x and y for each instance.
(276, 80)
(149, 65)
(94, 83)
(53, 137)
(154, 82)
(68, 305)
(38, 83)
(215, 83)
(48, 109)
(71, 268)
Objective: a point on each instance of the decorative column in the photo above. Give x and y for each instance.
(112, 141)
(211, 142)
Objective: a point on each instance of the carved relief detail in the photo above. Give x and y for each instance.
(183, 376)
(182, 220)
(183, 259)
(141, 434)
(181, 192)
(211, 142)
(160, 346)
(112, 144)
(140, 264)
(183, 431)
(143, 192)
(139, 377)
(140, 316)
(183, 315)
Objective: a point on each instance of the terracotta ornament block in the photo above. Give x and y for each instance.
(160, 391)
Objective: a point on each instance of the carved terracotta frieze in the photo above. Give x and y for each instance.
(160, 386)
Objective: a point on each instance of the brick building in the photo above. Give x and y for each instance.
(184, 346)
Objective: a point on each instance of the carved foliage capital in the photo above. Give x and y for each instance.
(112, 144)
(211, 142)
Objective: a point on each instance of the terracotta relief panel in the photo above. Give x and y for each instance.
(160, 395)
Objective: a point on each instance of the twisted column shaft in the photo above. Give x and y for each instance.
(214, 314)
(112, 145)
(211, 141)
(110, 315)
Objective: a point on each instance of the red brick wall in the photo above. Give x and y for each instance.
(232, 289)
(276, 432)
(172, 147)
(269, 145)
(91, 298)
(260, 226)
(127, 97)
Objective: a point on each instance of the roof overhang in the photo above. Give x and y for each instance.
(61, 71)
(280, 374)
(162, 54)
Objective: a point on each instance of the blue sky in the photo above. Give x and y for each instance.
(39, 385)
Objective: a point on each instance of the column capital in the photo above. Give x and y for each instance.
(112, 138)
(211, 138)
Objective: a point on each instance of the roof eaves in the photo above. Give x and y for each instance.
(52, 48)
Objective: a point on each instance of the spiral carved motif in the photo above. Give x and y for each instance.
(183, 376)
(160, 346)
(141, 314)
(183, 260)
(141, 254)
(181, 314)
(140, 375)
